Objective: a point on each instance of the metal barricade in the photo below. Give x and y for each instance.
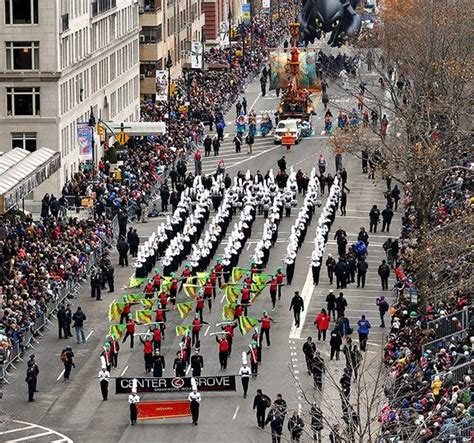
(459, 372)
(445, 325)
(464, 434)
(445, 342)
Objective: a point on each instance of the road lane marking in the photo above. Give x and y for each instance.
(306, 294)
(63, 438)
(236, 412)
(88, 335)
(18, 429)
(30, 437)
(124, 370)
(253, 157)
(60, 375)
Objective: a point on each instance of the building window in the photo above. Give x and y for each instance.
(151, 35)
(21, 12)
(24, 140)
(22, 56)
(23, 101)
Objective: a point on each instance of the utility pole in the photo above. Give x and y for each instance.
(169, 65)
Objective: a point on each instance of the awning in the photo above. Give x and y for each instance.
(27, 174)
(11, 158)
(137, 129)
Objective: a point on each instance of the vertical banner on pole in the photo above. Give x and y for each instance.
(84, 140)
(196, 55)
(266, 5)
(161, 86)
(246, 13)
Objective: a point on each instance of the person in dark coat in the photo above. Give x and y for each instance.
(133, 243)
(122, 248)
(31, 378)
(295, 426)
(384, 273)
(387, 215)
(260, 403)
(297, 304)
(207, 146)
(341, 272)
(374, 216)
(165, 195)
(61, 316)
(109, 274)
(45, 206)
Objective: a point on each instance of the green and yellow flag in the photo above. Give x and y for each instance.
(115, 310)
(260, 278)
(237, 274)
(256, 290)
(202, 277)
(147, 303)
(116, 331)
(184, 308)
(228, 311)
(132, 298)
(183, 330)
(191, 290)
(166, 283)
(232, 294)
(246, 324)
(144, 316)
(136, 282)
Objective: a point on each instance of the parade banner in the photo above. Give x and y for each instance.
(184, 309)
(191, 290)
(202, 277)
(228, 311)
(84, 140)
(232, 294)
(183, 330)
(246, 12)
(155, 410)
(246, 324)
(196, 55)
(147, 303)
(161, 86)
(260, 278)
(115, 311)
(136, 282)
(218, 383)
(116, 331)
(132, 298)
(237, 274)
(144, 316)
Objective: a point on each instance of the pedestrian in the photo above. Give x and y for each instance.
(194, 398)
(395, 195)
(374, 216)
(335, 343)
(260, 403)
(79, 317)
(341, 305)
(223, 351)
(322, 324)
(104, 376)
(244, 105)
(238, 108)
(238, 142)
(165, 193)
(345, 383)
(309, 348)
(295, 426)
(133, 400)
(275, 418)
(216, 144)
(363, 331)
(331, 304)
(207, 145)
(61, 316)
(122, 248)
(263, 85)
(281, 405)
(67, 358)
(245, 373)
(387, 215)
(316, 422)
(197, 363)
(249, 141)
(197, 162)
(342, 271)
(384, 273)
(265, 329)
(31, 379)
(362, 267)
(109, 275)
(297, 304)
(317, 370)
(343, 202)
(383, 308)
(159, 364)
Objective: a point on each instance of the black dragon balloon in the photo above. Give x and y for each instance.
(338, 17)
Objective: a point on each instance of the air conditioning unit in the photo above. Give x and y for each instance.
(142, 76)
(142, 39)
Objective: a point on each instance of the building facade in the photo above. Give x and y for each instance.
(58, 60)
(167, 25)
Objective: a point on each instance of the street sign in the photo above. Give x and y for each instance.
(122, 137)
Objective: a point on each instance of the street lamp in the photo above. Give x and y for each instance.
(169, 65)
(92, 125)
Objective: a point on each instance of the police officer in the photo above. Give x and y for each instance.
(31, 379)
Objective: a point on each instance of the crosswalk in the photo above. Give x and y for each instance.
(16, 430)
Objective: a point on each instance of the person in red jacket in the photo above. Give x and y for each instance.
(130, 331)
(127, 309)
(197, 325)
(147, 353)
(322, 321)
(160, 317)
(254, 359)
(114, 351)
(223, 351)
(273, 290)
(213, 279)
(208, 293)
(200, 305)
(185, 345)
(173, 290)
(239, 310)
(265, 329)
(156, 331)
(185, 275)
(219, 269)
(279, 276)
(228, 328)
(163, 301)
(257, 339)
(157, 281)
(245, 298)
(149, 289)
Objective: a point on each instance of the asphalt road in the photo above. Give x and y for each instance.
(77, 411)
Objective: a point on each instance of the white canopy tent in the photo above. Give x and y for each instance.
(27, 174)
(137, 129)
(11, 158)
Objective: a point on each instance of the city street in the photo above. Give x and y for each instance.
(76, 410)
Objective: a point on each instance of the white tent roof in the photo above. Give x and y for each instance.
(139, 128)
(11, 158)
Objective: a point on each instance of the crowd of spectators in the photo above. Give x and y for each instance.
(431, 393)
